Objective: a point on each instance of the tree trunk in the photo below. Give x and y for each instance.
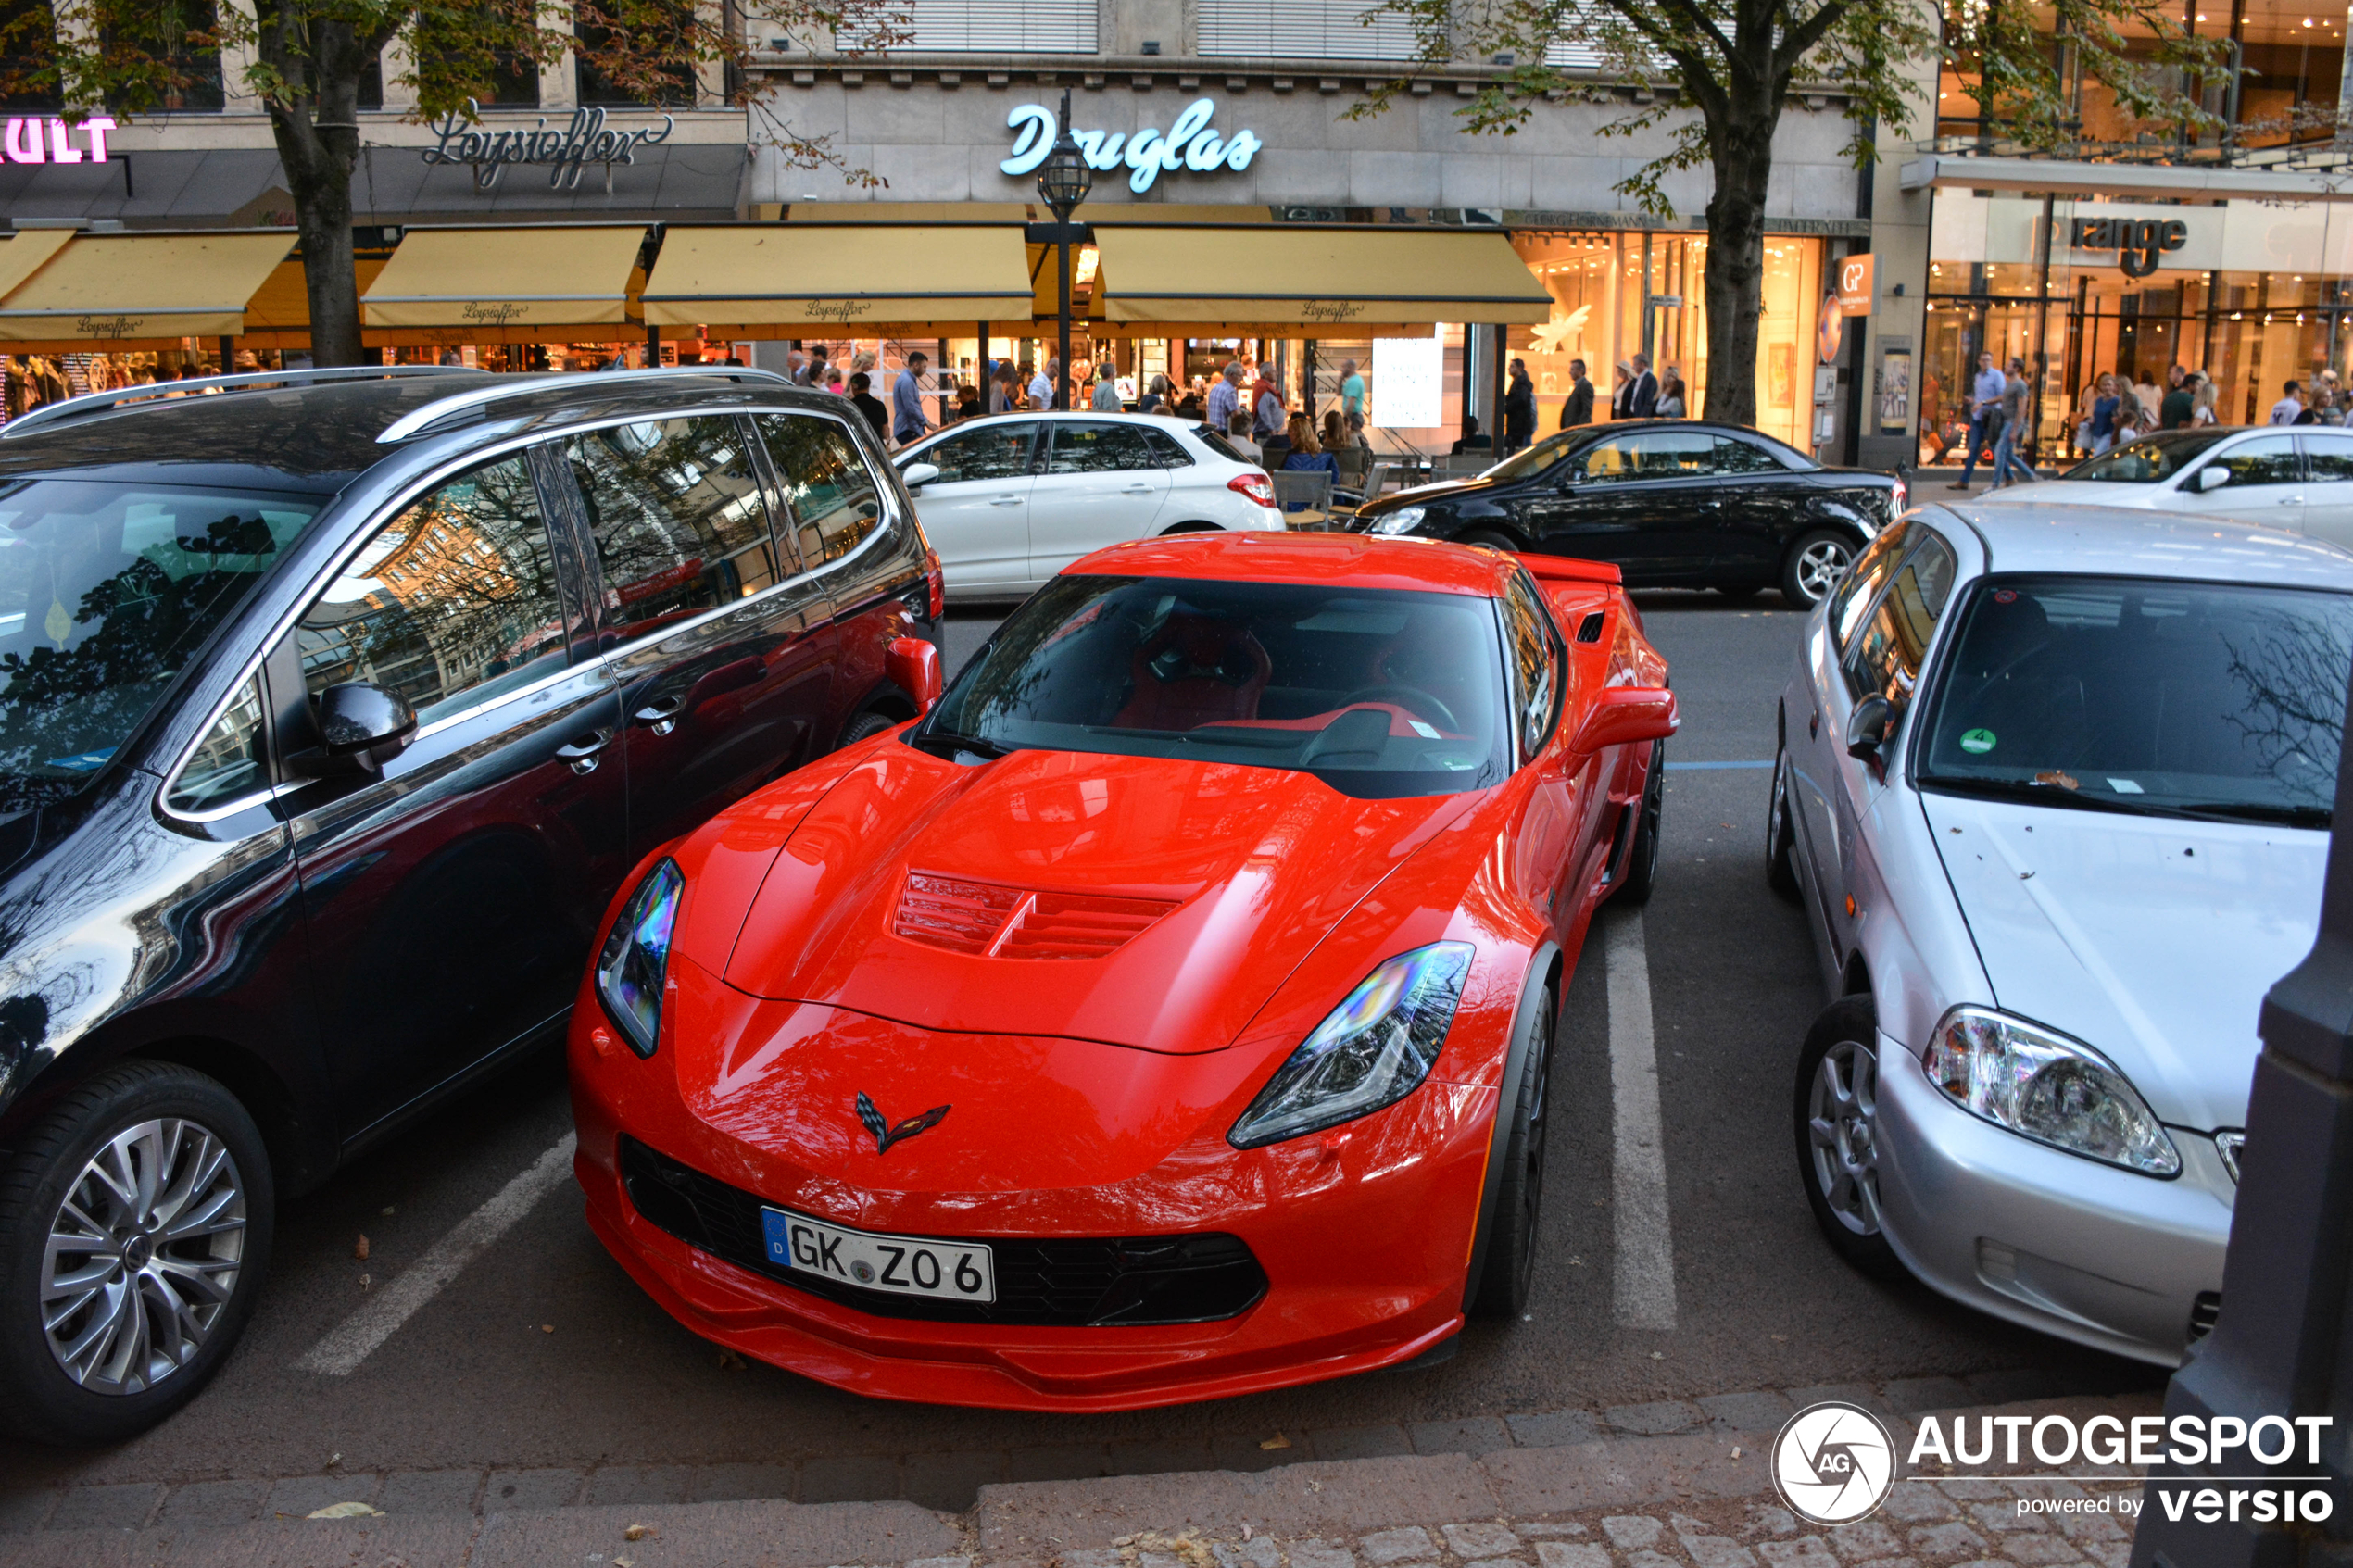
(318, 137)
(1741, 148)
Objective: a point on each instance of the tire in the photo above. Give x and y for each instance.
(66, 1384)
(866, 726)
(1814, 565)
(1641, 857)
(1835, 1121)
(1509, 1275)
(1780, 833)
(1489, 538)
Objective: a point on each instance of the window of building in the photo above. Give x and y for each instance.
(175, 36)
(672, 85)
(1309, 30)
(675, 510)
(1010, 27)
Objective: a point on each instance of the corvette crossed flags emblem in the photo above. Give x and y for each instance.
(884, 1133)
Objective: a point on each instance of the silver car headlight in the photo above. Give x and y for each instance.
(636, 956)
(2047, 1087)
(1399, 520)
(1374, 1050)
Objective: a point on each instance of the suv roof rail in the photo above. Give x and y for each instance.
(123, 396)
(418, 420)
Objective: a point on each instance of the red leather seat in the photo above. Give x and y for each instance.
(1195, 671)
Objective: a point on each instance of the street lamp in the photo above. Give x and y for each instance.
(1064, 180)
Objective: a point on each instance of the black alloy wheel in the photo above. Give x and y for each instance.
(1837, 1127)
(1816, 564)
(1510, 1275)
(1780, 833)
(1641, 859)
(134, 1233)
(865, 727)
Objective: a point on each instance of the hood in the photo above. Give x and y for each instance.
(1134, 901)
(2078, 493)
(1423, 495)
(2149, 939)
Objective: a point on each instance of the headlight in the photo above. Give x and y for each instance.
(630, 969)
(2048, 1088)
(1374, 1050)
(1399, 520)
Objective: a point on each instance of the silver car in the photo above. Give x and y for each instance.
(2054, 788)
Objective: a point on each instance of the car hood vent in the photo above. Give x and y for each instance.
(998, 921)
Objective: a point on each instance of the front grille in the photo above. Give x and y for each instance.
(2203, 1313)
(1130, 1280)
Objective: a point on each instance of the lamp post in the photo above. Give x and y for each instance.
(1063, 183)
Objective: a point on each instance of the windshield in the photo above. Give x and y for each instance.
(2137, 695)
(2149, 460)
(1531, 460)
(106, 590)
(1378, 693)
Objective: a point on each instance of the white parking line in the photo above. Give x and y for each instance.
(1645, 1282)
(352, 1341)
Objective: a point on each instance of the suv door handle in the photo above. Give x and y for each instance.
(663, 716)
(1005, 501)
(2289, 501)
(582, 754)
(1137, 490)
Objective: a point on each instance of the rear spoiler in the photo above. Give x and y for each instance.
(1567, 569)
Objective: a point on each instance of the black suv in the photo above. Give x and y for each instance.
(333, 707)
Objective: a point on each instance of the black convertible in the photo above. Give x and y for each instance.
(1672, 503)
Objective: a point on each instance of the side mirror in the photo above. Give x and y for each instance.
(1866, 731)
(361, 727)
(2212, 477)
(1626, 715)
(918, 475)
(913, 665)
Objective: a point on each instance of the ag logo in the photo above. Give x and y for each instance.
(1834, 1463)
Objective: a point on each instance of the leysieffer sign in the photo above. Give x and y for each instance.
(563, 153)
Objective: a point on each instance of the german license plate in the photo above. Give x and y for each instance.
(953, 1270)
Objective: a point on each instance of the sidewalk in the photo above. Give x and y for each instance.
(1700, 1499)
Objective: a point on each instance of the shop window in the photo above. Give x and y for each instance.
(832, 497)
(1305, 30)
(675, 510)
(451, 604)
(1010, 27)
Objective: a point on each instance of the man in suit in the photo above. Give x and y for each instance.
(1578, 407)
(1643, 391)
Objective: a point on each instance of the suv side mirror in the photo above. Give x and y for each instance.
(918, 475)
(1866, 731)
(1625, 716)
(2213, 476)
(361, 727)
(913, 665)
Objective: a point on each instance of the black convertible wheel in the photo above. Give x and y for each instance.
(1816, 563)
(1509, 1276)
(1837, 1126)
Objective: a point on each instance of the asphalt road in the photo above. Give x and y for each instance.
(540, 1352)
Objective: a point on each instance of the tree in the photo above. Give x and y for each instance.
(1718, 75)
(310, 59)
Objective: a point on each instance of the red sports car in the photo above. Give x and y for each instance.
(1166, 1014)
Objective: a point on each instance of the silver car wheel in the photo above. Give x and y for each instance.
(1842, 1115)
(1821, 566)
(143, 1255)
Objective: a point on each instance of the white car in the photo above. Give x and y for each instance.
(1010, 500)
(2284, 476)
(2054, 788)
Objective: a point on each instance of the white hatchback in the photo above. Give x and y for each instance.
(1010, 500)
(2297, 477)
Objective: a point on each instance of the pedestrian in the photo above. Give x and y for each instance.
(1356, 436)
(1641, 400)
(2285, 411)
(1984, 418)
(861, 394)
(2016, 400)
(1621, 391)
(796, 368)
(907, 422)
(1238, 434)
(1267, 418)
(2206, 403)
(1004, 391)
(1307, 453)
(1670, 397)
(1519, 408)
(1334, 434)
(1471, 440)
(1225, 396)
(1042, 385)
(2179, 405)
(2098, 434)
(819, 368)
(1155, 399)
(1106, 398)
(1577, 408)
(1351, 388)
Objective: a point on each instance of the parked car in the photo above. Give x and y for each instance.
(1012, 499)
(336, 709)
(1670, 503)
(1080, 1047)
(2053, 787)
(2299, 477)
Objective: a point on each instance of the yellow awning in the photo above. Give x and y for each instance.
(794, 279)
(1297, 280)
(118, 288)
(508, 277)
(22, 255)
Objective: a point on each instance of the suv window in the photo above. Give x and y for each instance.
(1536, 684)
(1651, 454)
(1735, 455)
(1886, 658)
(832, 498)
(1093, 449)
(451, 603)
(2267, 459)
(1166, 449)
(991, 452)
(1852, 595)
(2329, 457)
(675, 511)
(232, 761)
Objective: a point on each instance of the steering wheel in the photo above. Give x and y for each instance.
(1430, 706)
